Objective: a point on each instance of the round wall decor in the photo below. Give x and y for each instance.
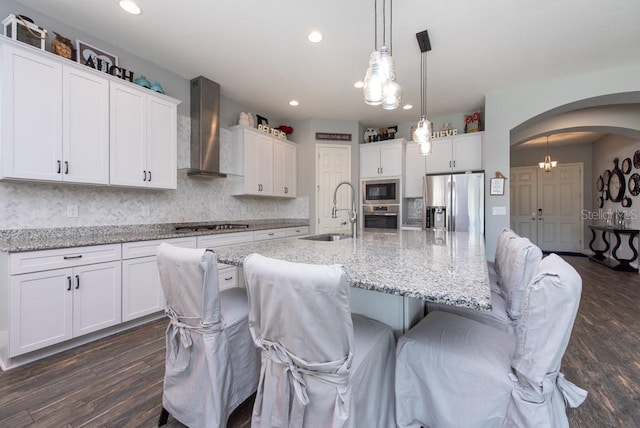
(636, 159)
(600, 184)
(634, 184)
(626, 165)
(617, 183)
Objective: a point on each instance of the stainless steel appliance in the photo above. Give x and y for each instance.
(381, 191)
(381, 216)
(454, 202)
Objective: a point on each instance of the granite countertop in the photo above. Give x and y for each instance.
(17, 240)
(438, 266)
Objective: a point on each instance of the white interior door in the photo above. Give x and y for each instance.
(334, 166)
(546, 206)
(524, 201)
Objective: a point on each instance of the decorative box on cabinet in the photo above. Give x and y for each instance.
(458, 153)
(141, 289)
(143, 138)
(56, 295)
(415, 167)
(263, 165)
(383, 159)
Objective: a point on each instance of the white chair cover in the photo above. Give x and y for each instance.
(455, 372)
(211, 364)
(320, 366)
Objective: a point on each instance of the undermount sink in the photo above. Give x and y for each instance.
(328, 237)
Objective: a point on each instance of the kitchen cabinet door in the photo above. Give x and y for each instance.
(391, 159)
(467, 152)
(284, 169)
(40, 310)
(96, 297)
(258, 164)
(31, 116)
(128, 136)
(161, 143)
(415, 169)
(141, 289)
(85, 127)
(439, 161)
(369, 161)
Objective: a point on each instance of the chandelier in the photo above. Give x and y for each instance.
(380, 86)
(422, 134)
(548, 163)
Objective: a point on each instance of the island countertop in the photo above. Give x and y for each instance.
(443, 267)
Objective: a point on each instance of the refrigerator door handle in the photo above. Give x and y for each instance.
(454, 203)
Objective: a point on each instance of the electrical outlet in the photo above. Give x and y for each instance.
(72, 211)
(499, 211)
(145, 211)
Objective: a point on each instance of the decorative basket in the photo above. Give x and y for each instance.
(22, 29)
(62, 46)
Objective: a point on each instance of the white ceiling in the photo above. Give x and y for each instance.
(257, 50)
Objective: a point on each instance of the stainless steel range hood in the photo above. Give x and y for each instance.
(205, 128)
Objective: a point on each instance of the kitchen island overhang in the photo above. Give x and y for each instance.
(434, 266)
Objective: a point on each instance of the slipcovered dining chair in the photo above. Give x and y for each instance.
(321, 365)
(452, 371)
(516, 263)
(211, 363)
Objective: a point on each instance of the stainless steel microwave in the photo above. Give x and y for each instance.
(381, 191)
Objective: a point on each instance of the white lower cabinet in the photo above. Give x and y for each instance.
(141, 288)
(52, 306)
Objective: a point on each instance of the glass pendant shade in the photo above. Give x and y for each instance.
(548, 163)
(392, 95)
(373, 82)
(425, 148)
(422, 134)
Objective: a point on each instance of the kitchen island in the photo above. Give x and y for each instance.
(387, 270)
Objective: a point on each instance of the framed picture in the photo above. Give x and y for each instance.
(262, 120)
(496, 186)
(94, 57)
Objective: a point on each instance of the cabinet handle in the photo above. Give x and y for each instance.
(449, 164)
(79, 256)
(270, 234)
(149, 176)
(381, 170)
(145, 175)
(77, 281)
(59, 167)
(286, 190)
(66, 167)
(229, 278)
(454, 164)
(69, 282)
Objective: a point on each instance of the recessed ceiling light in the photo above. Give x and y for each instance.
(130, 6)
(293, 103)
(315, 37)
(407, 107)
(359, 84)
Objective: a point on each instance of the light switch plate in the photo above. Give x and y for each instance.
(499, 211)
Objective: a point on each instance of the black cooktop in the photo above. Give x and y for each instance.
(204, 227)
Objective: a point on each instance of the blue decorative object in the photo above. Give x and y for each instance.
(156, 87)
(142, 81)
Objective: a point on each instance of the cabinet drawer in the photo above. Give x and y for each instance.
(35, 261)
(227, 276)
(223, 239)
(262, 235)
(131, 250)
(297, 231)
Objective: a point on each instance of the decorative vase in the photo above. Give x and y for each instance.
(244, 119)
(142, 81)
(156, 87)
(251, 121)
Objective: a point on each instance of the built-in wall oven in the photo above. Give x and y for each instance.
(381, 192)
(381, 216)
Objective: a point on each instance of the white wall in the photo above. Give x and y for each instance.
(507, 108)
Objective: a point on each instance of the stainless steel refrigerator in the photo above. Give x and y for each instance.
(454, 202)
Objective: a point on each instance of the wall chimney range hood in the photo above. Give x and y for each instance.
(205, 128)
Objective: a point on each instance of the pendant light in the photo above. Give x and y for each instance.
(548, 163)
(380, 86)
(422, 134)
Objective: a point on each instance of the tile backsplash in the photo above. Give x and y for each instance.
(44, 205)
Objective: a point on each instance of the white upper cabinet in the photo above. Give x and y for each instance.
(62, 121)
(85, 127)
(382, 159)
(31, 116)
(284, 168)
(143, 139)
(266, 165)
(414, 170)
(455, 154)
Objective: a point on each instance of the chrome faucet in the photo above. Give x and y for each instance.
(353, 212)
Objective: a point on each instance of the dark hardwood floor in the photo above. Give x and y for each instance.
(117, 381)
